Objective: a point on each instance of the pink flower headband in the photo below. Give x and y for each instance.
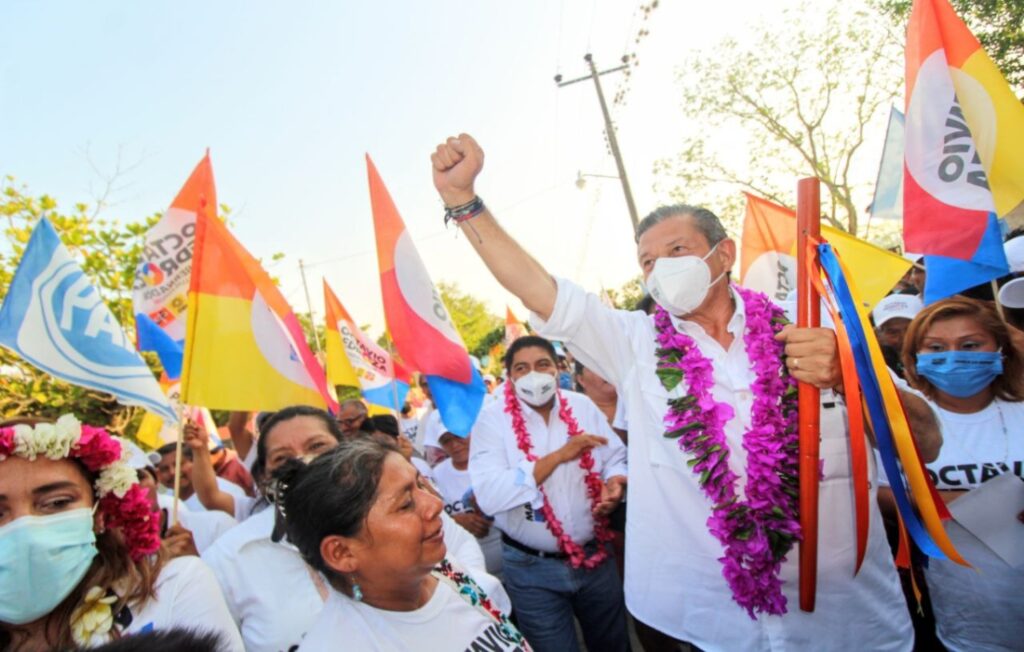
(124, 504)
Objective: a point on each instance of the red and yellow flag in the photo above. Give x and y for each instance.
(244, 347)
(768, 254)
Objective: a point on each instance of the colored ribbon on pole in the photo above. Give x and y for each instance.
(855, 416)
(920, 507)
(808, 219)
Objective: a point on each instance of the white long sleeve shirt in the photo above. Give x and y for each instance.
(503, 478)
(673, 579)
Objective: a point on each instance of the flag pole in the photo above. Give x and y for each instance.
(394, 385)
(309, 306)
(808, 218)
(177, 463)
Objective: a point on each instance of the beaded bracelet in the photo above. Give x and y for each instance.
(464, 212)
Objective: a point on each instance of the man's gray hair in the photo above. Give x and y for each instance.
(705, 221)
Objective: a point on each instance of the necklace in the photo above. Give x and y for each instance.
(470, 591)
(575, 552)
(756, 532)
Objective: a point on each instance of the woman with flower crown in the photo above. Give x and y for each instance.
(708, 383)
(80, 557)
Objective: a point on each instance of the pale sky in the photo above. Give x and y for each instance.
(290, 95)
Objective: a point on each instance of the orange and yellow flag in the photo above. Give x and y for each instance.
(768, 254)
(244, 347)
(514, 329)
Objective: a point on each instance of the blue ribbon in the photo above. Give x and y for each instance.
(873, 398)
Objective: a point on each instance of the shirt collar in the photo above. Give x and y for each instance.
(737, 323)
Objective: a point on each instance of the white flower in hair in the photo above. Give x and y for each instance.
(70, 428)
(23, 441)
(117, 479)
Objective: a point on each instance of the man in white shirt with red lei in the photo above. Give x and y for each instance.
(707, 383)
(546, 464)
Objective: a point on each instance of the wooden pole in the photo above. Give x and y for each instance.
(177, 463)
(808, 218)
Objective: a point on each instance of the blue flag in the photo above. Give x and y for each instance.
(888, 201)
(54, 318)
(153, 338)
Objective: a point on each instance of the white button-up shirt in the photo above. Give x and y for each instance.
(673, 579)
(503, 479)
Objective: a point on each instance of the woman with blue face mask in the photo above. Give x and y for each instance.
(959, 353)
(80, 555)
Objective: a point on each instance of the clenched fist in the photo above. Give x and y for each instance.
(457, 162)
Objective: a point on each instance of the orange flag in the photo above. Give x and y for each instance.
(244, 347)
(514, 329)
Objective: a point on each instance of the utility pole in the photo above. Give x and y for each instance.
(613, 142)
(309, 304)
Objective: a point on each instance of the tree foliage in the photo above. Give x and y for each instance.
(998, 24)
(470, 316)
(794, 101)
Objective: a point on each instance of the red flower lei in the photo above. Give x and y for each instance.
(574, 551)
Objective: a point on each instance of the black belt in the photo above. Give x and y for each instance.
(512, 543)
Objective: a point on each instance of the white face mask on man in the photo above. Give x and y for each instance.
(680, 284)
(536, 388)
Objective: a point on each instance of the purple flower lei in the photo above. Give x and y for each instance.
(756, 532)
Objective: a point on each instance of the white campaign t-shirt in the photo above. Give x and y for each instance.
(270, 592)
(445, 622)
(980, 608)
(187, 597)
(455, 487)
(673, 579)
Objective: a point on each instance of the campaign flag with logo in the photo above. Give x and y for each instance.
(54, 317)
(160, 293)
(964, 164)
(887, 203)
(355, 359)
(514, 329)
(418, 320)
(244, 347)
(768, 255)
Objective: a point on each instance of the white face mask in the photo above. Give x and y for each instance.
(681, 284)
(536, 388)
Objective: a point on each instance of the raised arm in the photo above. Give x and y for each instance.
(456, 164)
(242, 438)
(204, 478)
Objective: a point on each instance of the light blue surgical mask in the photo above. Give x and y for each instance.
(42, 559)
(960, 373)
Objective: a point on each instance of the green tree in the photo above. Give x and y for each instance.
(998, 24)
(629, 295)
(470, 316)
(794, 99)
(108, 252)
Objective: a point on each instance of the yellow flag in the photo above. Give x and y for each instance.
(768, 255)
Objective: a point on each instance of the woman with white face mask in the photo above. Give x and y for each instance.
(546, 464)
(80, 557)
(958, 352)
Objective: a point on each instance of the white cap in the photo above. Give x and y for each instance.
(137, 458)
(896, 305)
(489, 377)
(433, 430)
(914, 258)
(1011, 295)
(1015, 254)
